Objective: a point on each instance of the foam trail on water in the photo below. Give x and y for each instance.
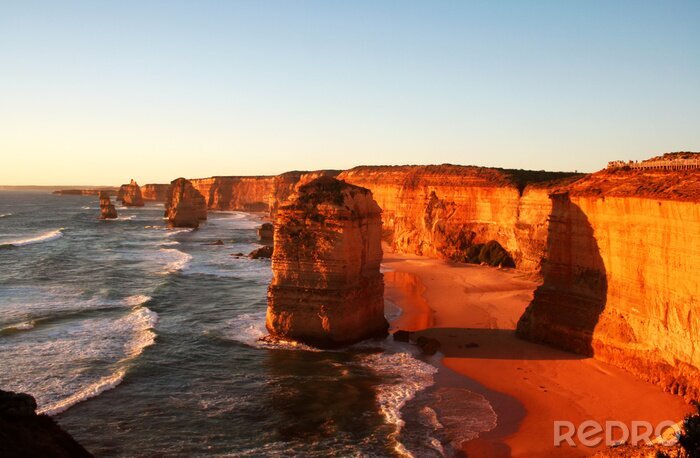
(45, 237)
(5, 215)
(412, 376)
(142, 320)
(177, 259)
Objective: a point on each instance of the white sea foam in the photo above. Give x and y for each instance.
(126, 218)
(411, 376)
(249, 328)
(173, 232)
(138, 299)
(66, 365)
(5, 215)
(45, 237)
(171, 243)
(175, 259)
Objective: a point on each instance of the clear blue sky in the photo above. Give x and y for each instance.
(98, 92)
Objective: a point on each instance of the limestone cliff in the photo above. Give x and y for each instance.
(440, 211)
(621, 276)
(252, 193)
(130, 195)
(155, 192)
(184, 205)
(107, 210)
(326, 288)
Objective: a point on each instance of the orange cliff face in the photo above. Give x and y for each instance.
(254, 193)
(621, 275)
(130, 195)
(326, 288)
(439, 211)
(155, 192)
(184, 205)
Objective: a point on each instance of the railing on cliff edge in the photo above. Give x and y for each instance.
(669, 164)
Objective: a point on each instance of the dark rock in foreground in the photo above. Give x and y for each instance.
(26, 434)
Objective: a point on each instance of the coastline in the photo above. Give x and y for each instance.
(473, 310)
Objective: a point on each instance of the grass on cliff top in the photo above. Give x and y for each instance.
(326, 190)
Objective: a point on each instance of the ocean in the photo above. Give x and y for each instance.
(143, 341)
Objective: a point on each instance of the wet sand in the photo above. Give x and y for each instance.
(473, 310)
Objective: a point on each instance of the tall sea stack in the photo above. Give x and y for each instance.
(326, 287)
(107, 210)
(130, 195)
(184, 205)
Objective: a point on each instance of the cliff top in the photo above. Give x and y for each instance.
(467, 175)
(658, 184)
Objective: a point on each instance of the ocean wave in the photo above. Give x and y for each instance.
(137, 299)
(173, 232)
(45, 237)
(126, 218)
(411, 376)
(249, 328)
(175, 259)
(5, 215)
(52, 364)
(18, 327)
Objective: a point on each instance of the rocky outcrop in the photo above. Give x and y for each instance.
(107, 210)
(326, 288)
(621, 275)
(264, 252)
(266, 232)
(184, 205)
(130, 195)
(155, 192)
(441, 211)
(24, 433)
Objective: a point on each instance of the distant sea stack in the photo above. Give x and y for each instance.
(24, 433)
(107, 210)
(326, 288)
(155, 192)
(130, 195)
(184, 205)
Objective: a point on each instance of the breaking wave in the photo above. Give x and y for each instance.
(45, 237)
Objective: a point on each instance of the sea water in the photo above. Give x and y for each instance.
(144, 340)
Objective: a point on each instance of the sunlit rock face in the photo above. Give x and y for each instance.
(440, 211)
(253, 193)
(130, 195)
(155, 192)
(107, 210)
(326, 288)
(621, 275)
(184, 205)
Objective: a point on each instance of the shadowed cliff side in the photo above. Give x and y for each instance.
(566, 308)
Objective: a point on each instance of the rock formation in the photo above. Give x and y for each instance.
(155, 192)
(130, 195)
(266, 233)
(264, 252)
(326, 288)
(24, 433)
(107, 210)
(184, 205)
(621, 276)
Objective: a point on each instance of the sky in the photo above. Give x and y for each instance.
(99, 92)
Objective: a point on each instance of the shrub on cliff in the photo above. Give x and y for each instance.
(690, 438)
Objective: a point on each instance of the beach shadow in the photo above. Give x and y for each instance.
(567, 306)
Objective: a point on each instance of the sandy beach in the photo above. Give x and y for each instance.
(473, 310)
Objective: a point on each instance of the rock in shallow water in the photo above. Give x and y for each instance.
(326, 288)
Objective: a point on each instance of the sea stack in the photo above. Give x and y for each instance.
(184, 205)
(107, 210)
(326, 287)
(130, 195)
